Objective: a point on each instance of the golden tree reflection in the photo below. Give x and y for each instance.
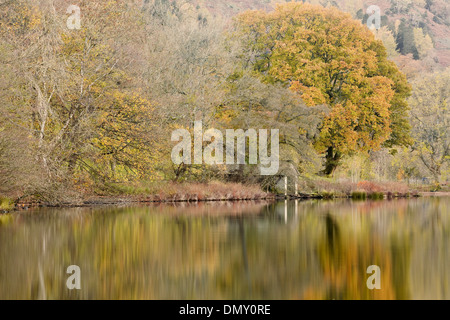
(304, 250)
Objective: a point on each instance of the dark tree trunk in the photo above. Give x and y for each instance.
(179, 171)
(332, 161)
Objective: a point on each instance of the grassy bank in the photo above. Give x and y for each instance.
(162, 192)
(170, 192)
(363, 190)
(180, 192)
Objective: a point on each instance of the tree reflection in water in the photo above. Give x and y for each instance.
(247, 250)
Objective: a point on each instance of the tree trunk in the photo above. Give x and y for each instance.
(332, 161)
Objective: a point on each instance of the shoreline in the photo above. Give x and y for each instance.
(215, 191)
(434, 194)
(130, 200)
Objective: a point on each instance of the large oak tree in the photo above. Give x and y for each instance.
(329, 58)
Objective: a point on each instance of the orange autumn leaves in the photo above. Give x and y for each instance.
(328, 58)
(363, 124)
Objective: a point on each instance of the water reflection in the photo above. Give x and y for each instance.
(286, 250)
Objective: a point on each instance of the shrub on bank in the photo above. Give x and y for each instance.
(327, 195)
(359, 195)
(345, 188)
(324, 186)
(6, 204)
(384, 187)
(376, 196)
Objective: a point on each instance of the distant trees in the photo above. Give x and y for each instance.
(423, 42)
(405, 40)
(402, 6)
(440, 10)
(387, 37)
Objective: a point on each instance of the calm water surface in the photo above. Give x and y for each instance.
(286, 250)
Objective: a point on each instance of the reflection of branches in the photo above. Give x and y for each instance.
(214, 208)
(43, 291)
(244, 251)
(430, 220)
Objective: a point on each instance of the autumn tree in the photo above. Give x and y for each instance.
(252, 103)
(385, 35)
(430, 118)
(74, 94)
(184, 65)
(328, 58)
(423, 42)
(405, 40)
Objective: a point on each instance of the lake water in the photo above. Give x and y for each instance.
(247, 250)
